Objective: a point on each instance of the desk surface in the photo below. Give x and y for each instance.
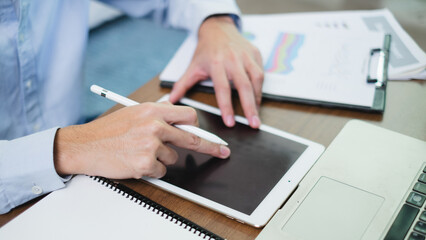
(405, 112)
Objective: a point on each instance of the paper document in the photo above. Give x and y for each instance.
(406, 58)
(326, 65)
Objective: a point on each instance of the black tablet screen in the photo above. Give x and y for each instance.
(258, 161)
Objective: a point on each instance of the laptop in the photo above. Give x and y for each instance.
(370, 183)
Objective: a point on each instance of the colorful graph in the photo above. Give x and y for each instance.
(249, 36)
(285, 50)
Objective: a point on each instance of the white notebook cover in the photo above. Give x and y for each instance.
(90, 209)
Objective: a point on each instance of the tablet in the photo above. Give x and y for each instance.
(264, 168)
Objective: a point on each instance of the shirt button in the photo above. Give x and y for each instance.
(21, 37)
(36, 127)
(36, 190)
(28, 83)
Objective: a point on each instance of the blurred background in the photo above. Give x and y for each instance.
(124, 53)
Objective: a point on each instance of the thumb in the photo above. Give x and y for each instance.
(185, 83)
(178, 91)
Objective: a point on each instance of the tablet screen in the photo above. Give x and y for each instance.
(258, 161)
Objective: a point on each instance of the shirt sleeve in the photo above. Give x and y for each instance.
(27, 169)
(185, 14)
(190, 14)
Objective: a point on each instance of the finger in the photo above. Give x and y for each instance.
(190, 141)
(169, 113)
(181, 115)
(166, 155)
(223, 94)
(156, 169)
(246, 93)
(258, 57)
(256, 75)
(191, 76)
(181, 87)
(145, 165)
(166, 103)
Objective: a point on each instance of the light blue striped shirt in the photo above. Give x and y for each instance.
(42, 46)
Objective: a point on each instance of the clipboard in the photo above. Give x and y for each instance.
(380, 81)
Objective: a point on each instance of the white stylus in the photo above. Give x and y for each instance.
(128, 102)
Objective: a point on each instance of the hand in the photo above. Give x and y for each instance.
(224, 55)
(130, 143)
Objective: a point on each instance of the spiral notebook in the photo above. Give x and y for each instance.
(98, 208)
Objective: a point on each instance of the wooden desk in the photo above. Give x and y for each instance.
(405, 113)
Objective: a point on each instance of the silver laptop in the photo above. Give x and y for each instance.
(370, 183)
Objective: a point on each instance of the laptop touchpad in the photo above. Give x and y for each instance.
(333, 210)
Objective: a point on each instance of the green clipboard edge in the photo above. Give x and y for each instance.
(379, 101)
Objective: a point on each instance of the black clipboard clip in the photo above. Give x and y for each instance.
(382, 67)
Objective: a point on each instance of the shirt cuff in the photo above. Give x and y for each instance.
(193, 14)
(27, 169)
(235, 18)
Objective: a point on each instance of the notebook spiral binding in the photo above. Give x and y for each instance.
(156, 208)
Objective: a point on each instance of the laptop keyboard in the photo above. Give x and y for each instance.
(410, 222)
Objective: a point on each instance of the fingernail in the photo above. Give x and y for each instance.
(172, 97)
(255, 122)
(224, 151)
(229, 121)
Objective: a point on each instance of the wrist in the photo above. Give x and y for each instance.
(65, 151)
(216, 21)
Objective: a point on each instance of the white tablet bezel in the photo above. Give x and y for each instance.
(275, 198)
